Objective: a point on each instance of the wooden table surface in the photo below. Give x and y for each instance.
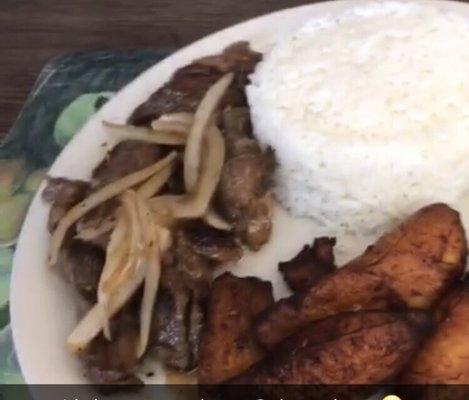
(32, 32)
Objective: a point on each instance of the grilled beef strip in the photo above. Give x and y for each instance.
(62, 194)
(244, 197)
(184, 91)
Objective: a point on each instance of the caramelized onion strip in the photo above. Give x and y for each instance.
(91, 325)
(100, 196)
(213, 219)
(154, 184)
(202, 117)
(152, 274)
(196, 204)
(185, 118)
(129, 132)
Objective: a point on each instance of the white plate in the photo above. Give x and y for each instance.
(42, 307)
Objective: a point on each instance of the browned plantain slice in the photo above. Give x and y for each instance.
(366, 347)
(445, 357)
(228, 346)
(413, 266)
(310, 265)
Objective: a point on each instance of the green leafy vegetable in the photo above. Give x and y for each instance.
(12, 174)
(12, 213)
(32, 182)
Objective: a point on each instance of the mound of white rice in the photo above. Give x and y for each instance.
(368, 113)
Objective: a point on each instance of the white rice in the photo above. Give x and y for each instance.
(368, 113)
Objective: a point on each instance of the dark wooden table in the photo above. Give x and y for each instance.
(31, 32)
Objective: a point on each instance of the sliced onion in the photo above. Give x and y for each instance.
(154, 184)
(176, 127)
(93, 232)
(164, 219)
(129, 132)
(164, 238)
(90, 326)
(136, 243)
(203, 114)
(196, 204)
(213, 219)
(174, 122)
(115, 254)
(161, 217)
(152, 275)
(152, 278)
(164, 204)
(100, 196)
(125, 264)
(147, 189)
(186, 118)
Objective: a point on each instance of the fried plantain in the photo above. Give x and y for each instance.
(310, 265)
(412, 266)
(228, 346)
(366, 347)
(444, 359)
